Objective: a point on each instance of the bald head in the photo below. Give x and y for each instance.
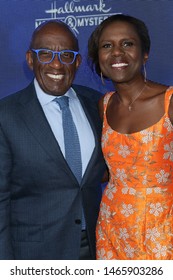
(51, 24)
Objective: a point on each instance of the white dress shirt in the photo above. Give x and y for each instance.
(54, 117)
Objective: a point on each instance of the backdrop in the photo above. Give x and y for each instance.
(18, 19)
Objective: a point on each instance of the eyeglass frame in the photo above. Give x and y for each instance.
(53, 55)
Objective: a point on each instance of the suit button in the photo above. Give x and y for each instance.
(78, 221)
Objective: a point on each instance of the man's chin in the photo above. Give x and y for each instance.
(55, 91)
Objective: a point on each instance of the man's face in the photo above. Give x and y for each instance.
(54, 78)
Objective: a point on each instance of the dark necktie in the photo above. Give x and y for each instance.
(71, 142)
(71, 139)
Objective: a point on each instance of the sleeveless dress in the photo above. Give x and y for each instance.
(136, 212)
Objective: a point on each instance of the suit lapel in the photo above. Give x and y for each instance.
(34, 118)
(96, 128)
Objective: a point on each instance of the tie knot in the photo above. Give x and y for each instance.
(63, 102)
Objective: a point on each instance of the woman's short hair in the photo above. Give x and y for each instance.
(93, 42)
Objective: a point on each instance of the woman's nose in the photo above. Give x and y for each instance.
(117, 50)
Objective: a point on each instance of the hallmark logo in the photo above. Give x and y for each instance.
(92, 14)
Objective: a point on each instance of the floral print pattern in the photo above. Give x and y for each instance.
(136, 212)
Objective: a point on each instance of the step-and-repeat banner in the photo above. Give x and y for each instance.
(18, 19)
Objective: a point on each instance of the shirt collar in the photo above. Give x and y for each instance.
(45, 98)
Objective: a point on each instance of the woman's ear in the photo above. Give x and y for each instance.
(145, 58)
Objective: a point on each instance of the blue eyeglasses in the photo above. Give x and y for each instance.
(47, 56)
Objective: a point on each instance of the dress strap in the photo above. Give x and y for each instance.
(106, 100)
(168, 95)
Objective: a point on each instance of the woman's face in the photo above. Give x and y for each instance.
(120, 52)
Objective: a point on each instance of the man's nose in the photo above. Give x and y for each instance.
(56, 61)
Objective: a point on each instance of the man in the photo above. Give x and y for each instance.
(45, 211)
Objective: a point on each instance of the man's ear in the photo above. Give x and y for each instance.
(78, 61)
(29, 59)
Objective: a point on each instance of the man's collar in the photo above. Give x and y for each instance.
(45, 98)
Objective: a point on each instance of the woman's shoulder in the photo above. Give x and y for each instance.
(103, 102)
(157, 87)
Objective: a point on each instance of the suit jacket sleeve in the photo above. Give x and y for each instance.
(6, 251)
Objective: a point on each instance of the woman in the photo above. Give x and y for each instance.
(136, 213)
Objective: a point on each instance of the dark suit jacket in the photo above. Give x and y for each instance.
(40, 199)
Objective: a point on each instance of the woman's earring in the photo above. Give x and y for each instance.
(102, 79)
(145, 73)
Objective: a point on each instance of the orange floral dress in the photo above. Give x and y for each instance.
(136, 212)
